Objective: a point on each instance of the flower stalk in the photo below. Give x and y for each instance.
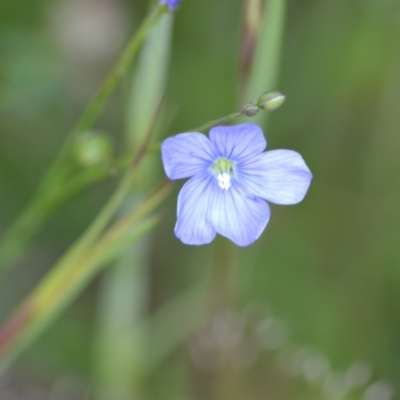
(265, 66)
(51, 191)
(120, 350)
(96, 106)
(75, 269)
(71, 275)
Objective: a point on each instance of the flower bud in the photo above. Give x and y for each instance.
(92, 148)
(250, 110)
(270, 101)
(171, 4)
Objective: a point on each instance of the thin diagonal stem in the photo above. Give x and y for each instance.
(46, 198)
(70, 276)
(95, 107)
(224, 120)
(265, 66)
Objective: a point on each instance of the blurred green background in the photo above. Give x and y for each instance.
(321, 286)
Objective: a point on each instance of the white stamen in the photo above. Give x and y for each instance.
(224, 181)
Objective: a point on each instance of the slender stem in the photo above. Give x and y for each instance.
(224, 120)
(20, 232)
(91, 175)
(252, 18)
(118, 196)
(34, 315)
(265, 67)
(120, 349)
(223, 285)
(70, 276)
(147, 206)
(47, 198)
(95, 107)
(56, 278)
(62, 275)
(154, 147)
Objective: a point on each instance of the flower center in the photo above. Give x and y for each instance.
(223, 169)
(224, 181)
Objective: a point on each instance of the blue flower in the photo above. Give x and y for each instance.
(230, 179)
(172, 4)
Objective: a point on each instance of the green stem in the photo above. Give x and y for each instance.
(28, 223)
(224, 120)
(265, 67)
(20, 233)
(95, 107)
(69, 277)
(66, 270)
(154, 147)
(120, 349)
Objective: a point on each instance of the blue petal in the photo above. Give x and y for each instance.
(239, 217)
(279, 176)
(195, 201)
(238, 142)
(186, 154)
